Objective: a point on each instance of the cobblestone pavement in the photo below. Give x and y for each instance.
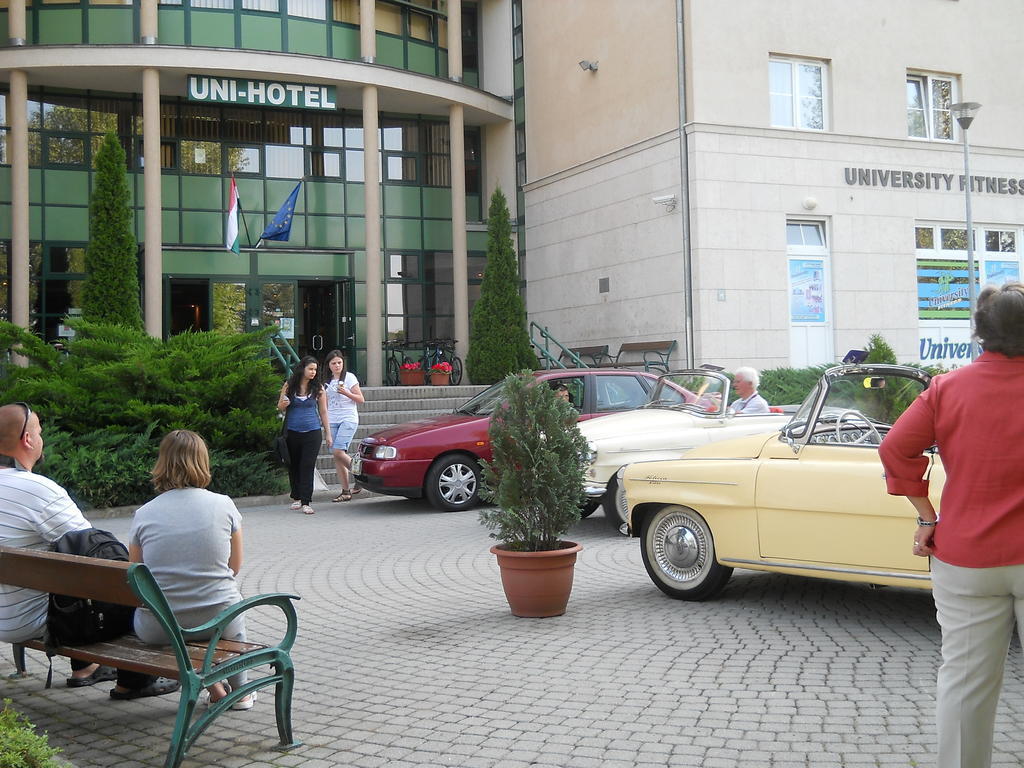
(408, 656)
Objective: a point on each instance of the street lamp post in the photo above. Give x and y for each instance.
(964, 112)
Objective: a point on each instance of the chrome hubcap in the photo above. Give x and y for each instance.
(457, 484)
(680, 547)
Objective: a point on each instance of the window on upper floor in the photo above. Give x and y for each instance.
(797, 91)
(929, 98)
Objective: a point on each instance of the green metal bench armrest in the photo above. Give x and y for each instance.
(220, 622)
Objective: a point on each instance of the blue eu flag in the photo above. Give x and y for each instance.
(281, 227)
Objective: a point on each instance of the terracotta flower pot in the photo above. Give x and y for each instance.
(440, 379)
(537, 584)
(411, 378)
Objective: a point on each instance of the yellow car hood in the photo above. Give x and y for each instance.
(748, 447)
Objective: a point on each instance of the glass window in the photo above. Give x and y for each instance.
(278, 302)
(67, 259)
(804, 233)
(334, 137)
(619, 393)
(388, 18)
(403, 266)
(400, 168)
(66, 114)
(3, 148)
(797, 93)
(244, 125)
(354, 138)
(200, 157)
(285, 162)
(346, 11)
(224, 4)
(308, 9)
(354, 169)
(421, 26)
(954, 239)
(924, 237)
(228, 307)
(62, 150)
(325, 164)
(243, 160)
(929, 99)
(1000, 241)
(270, 6)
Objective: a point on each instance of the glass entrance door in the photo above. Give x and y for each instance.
(326, 318)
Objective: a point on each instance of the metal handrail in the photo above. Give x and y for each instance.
(292, 359)
(550, 360)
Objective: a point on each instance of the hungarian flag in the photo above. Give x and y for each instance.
(231, 227)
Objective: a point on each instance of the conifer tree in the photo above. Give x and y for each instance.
(111, 290)
(498, 341)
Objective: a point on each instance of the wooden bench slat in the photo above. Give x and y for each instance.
(128, 652)
(70, 575)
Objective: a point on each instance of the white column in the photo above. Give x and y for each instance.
(17, 109)
(371, 202)
(154, 266)
(368, 30)
(460, 262)
(148, 22)
(455, 40)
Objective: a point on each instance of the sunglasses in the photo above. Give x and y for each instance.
(28, 415)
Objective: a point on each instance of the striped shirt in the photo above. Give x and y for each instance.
(34, 511)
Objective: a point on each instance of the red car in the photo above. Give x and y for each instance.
(440, 457)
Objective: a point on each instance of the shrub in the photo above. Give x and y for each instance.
(20, 745)
(498, 341)
(110, 293)
(537, 470)
(108, 404)
(879, 350)
(789, 386)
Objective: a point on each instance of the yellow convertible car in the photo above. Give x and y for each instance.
(808, 500)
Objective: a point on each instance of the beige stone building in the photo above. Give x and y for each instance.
(814, 196)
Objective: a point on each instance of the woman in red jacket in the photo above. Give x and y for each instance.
(973, 415)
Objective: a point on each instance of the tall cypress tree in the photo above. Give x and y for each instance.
(498, 341)
(111, 290)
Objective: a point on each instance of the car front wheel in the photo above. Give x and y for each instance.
(679, 554)
(453, 483)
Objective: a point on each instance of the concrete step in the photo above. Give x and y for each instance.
(389, 406)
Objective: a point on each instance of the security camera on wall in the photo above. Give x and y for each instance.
(663, 199)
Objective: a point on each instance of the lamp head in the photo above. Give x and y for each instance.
(586, 65)
(964, 112)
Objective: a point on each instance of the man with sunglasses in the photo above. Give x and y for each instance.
(35, 512)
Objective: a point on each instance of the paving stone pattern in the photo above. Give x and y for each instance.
(408, 656)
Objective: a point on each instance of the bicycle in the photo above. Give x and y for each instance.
(437, 351)
(394, 349)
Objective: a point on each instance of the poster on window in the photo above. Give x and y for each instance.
(942, 289)
(807, 290)
(1001, 272)
(287, 325)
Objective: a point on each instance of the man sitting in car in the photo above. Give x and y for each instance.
(746, 381)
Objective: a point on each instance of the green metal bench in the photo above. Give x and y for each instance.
(196, 663)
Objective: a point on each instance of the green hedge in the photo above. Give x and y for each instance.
(20, 745)
(108, 403)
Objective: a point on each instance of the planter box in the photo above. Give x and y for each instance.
(411, 378)
(440, 379)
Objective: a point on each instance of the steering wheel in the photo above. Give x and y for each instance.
(854, 413)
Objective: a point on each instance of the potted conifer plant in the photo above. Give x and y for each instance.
(535, 478)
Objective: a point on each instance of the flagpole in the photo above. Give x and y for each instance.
(241, 215)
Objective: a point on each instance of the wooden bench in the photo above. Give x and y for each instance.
(196, 663)
(654, 355)
(597, 355)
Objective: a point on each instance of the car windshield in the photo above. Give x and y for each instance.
(700, 392)
(484, 403)
(859, 406)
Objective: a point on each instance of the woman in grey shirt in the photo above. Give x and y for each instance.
(191, 540)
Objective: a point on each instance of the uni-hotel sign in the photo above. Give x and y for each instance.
(263, 93)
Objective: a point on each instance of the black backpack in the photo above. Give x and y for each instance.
(80, 621)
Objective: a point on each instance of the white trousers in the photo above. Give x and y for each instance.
(976, 609)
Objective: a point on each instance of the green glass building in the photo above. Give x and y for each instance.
(396, 117)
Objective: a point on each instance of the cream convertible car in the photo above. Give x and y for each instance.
(686, 410)
(809, 500)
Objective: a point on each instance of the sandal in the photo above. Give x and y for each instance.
(296, 505)
(356, 490)
(99, 675)
(345, 495)
(308, 510)
(159, 687)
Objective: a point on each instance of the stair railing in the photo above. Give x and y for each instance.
(289, 358)
(543, 341)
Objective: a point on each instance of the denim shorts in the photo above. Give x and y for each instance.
(341, 434)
